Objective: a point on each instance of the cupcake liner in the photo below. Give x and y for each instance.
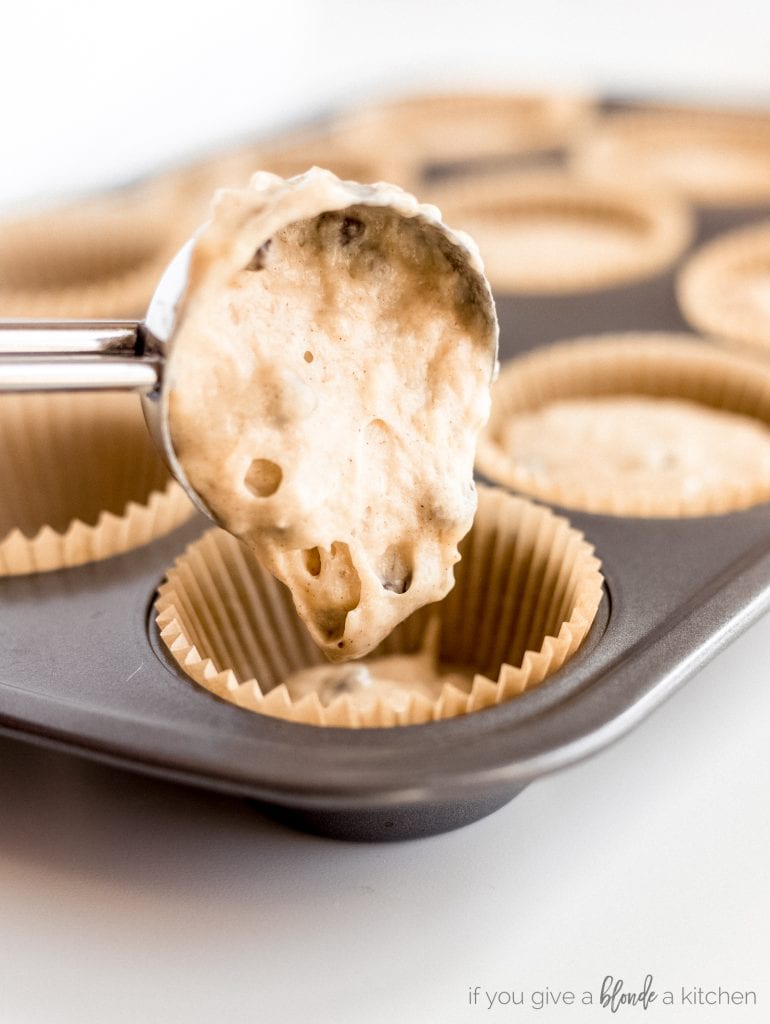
(447, 128)
(82, 481)
(334, 151)
(549, 232)
(724, 288)
(714, 158)
(658, 365)
(527, 590)
(193, 186)
(97, 259)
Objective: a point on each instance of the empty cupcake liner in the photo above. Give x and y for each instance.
(334, 151)
(658, 365)
(82, 481)
(100, 258)
(447, 128)
(527, 590)
(713, 157)
(193, 186)
(724, 288)
(550, 232)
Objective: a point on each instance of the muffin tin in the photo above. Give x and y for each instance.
(85, 670)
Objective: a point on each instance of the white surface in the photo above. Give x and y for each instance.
(97, 93)
(125, 899)
(130, 900)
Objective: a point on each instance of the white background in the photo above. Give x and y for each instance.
(94, 93)
(123, 899)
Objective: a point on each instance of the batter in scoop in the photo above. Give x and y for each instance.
(328, 380)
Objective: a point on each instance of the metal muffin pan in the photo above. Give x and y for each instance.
(84, 669)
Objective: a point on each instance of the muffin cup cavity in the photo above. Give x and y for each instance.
(434, 129)
(193, 186)
(712, 157)
(550, 233)
(99, 259)
(82, 481)
(527, 590)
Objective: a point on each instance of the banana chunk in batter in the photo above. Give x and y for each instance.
(328, 380)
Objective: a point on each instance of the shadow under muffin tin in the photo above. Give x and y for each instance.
(85, 668)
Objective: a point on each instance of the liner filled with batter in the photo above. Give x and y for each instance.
(632, 424)
(724, 288)
(527, 590)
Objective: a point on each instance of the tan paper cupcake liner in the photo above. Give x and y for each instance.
(657, 365)
(527, 590)
(332, 150)
(82, 481)
(550, 232)
(715, 158)
(445, 128)
(194, 186)
(100, 258)
(388, 142)
(724, 288)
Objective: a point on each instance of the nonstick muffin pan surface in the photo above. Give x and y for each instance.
(84, 668)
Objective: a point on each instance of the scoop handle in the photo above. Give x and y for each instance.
(75, 355)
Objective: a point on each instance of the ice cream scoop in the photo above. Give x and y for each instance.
(315, 369)
(113, 355)
(117, 355)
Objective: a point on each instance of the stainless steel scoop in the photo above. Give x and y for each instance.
(113, 355)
